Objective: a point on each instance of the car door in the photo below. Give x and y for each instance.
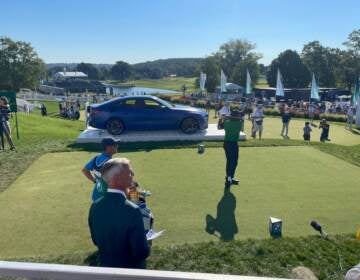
(131, 114)
(158, 116)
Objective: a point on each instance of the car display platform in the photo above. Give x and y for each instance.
(94, 135)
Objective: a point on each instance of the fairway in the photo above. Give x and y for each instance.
(272, 129)
(44, 212)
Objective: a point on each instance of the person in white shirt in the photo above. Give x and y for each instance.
(257, 118)
(224, 112)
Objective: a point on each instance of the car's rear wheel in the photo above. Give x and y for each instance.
(115, 126)
(189, 125)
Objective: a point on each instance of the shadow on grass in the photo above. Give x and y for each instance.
(225, 223)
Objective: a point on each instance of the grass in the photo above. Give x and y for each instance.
(272, 129)
(328, 259)
(38, 135)
(52, 108)
(164, 83)
(30, 229)
(60, 193)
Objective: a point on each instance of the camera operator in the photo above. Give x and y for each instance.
(4, 123)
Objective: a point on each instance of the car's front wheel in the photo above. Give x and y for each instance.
(115, 126)
(189, 125)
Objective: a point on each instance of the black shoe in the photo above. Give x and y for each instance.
(235, 181)
(228, 182)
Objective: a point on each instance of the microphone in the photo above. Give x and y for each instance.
(316, 226)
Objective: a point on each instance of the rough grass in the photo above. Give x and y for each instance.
(328, 259)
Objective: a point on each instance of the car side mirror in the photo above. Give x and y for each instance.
(163, 107)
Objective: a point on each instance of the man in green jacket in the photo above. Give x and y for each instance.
(232, 127)
(116, 224)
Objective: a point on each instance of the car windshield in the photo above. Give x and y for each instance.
(166, 103)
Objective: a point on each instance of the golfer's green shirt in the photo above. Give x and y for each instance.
(232, 130)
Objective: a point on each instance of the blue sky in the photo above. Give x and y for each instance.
(142, 30)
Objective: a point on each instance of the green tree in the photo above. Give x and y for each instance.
(320, 60)
(235, 57)
(239, 73)
(89, 69)
(121, 71)
(353, 42)
(349, 69)
(295, 74)
(20, 66)
(211, 67)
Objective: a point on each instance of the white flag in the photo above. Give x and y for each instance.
(357, 116)
(222, 82)
(248, 82)
(279, 85)
(314, 89)
(202, 80)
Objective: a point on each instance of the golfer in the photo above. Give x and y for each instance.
(92, 169)
(232, 126)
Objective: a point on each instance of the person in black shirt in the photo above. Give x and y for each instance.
(325, 130)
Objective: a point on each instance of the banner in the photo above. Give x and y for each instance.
(314, 89)
(248, 83)
(356, 94)
(11, 97)
(202, 80)
(279, 85)
(222, 82)
(357, 120)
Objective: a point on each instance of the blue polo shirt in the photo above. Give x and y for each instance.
(94, 166)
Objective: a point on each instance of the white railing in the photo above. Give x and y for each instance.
(72, 272)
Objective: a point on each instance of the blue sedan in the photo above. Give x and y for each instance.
(145, 113)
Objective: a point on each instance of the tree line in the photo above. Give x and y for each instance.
(123, 71)
(333, 67)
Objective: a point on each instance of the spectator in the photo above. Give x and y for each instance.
(4, 123)
(93, 167)
(43, 110)
(350, 117)
(307, 130)
(258, 118)
(208, 106)
(115, 223)
(286, 117)
(325, 130)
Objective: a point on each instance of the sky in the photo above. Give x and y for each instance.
(143, 30)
